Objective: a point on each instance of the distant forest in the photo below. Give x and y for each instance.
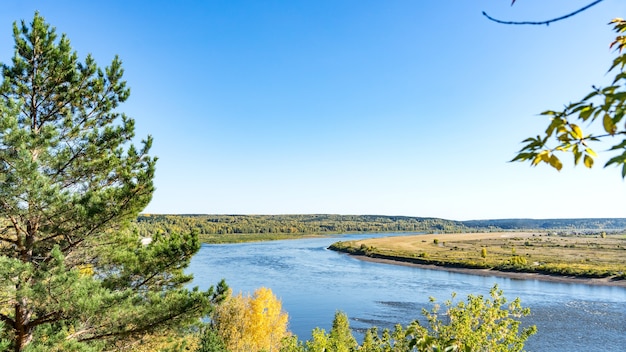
(609, 224)
(150, 224)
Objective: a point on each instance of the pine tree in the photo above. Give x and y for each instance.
(73, 274)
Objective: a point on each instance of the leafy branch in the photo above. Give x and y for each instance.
(602, 104)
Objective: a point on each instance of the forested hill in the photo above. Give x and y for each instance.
(149, 224)
(292, 224)
(550, 224)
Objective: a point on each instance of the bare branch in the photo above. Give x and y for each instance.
(547, 22)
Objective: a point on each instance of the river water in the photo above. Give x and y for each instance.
(313, 283)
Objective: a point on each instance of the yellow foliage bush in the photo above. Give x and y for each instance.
(251, 323)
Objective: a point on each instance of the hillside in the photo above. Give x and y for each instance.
(550, 224)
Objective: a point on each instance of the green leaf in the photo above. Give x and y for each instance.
(577, 156)
(610, 89)
(586, 112)
(619, 114)
(523, 157)
(616, 160)
(556, 124)
(622, 145)
(608, 124)
(564, 138)
(591, 95)
(620, 76)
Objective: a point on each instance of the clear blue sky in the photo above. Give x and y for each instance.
(350, 107)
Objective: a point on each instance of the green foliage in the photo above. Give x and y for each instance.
(235, 228)
(340, 338)
(477, 324)
(603, 106)
(319, 341)
(395, 340)
(292, 344)
(210, 341)
(71, 182)
(246, 228)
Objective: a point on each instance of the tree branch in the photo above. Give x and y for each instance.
(8, 240)
(47, 318)
(547, 22)
(7, 319)
(140, 329)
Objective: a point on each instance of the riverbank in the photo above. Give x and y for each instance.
(593, 260)
(605, 281)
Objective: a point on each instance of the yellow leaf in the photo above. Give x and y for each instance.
(542, 156)
(555, 162)
(591, 152)
(588, 161)
(536, 160)
(576, 132)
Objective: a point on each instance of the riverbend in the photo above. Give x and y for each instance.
(314, 282)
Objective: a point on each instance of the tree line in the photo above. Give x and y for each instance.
(290, 224)
(149, 224)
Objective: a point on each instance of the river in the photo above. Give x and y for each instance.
(313, 283)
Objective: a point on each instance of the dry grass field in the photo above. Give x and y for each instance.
(583, 255)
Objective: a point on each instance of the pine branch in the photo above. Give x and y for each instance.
(8, 240)
(47, 318)
(7, 319)
(547, 22)
(139, 329)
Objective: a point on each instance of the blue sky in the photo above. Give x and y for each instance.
(350, 107)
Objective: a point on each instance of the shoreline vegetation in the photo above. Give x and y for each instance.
(584, 259)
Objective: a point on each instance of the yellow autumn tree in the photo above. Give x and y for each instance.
(229, 322)
(251, 323)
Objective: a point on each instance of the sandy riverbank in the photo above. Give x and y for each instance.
(506, 274)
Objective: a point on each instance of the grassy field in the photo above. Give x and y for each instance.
(581, 256)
